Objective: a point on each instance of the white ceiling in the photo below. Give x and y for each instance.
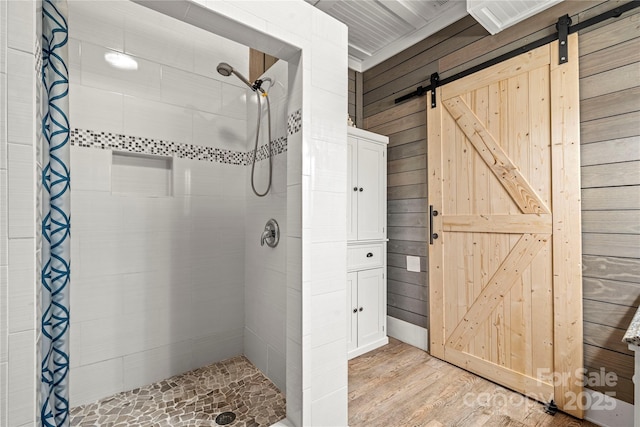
(379, 29)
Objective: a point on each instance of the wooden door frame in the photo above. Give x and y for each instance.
(566, 225)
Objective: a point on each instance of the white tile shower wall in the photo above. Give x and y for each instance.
(266, 268)
(158, 282)
(174, 94)
(317, 348)
(296, 271)
(156, 278)
(18, 368)
(41, 156)
(248, 23)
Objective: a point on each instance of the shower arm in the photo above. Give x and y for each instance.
(243, 79)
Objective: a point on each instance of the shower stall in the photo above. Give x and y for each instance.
(168, 273)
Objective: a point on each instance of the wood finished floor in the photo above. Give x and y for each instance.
(400, 385)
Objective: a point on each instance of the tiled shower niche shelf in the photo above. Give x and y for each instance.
(141, 174)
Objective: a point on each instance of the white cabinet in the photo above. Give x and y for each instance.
(367, 242)
(352, 317)
(366, 306)
(367, 192)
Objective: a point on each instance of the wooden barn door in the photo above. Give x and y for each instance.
(505, 266)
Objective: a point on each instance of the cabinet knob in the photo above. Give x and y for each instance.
(355, 310)
(435, 236)
(361, 189)
(370, 254)
(355, 188)
(361, 309)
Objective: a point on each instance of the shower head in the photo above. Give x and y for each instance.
(226, 70)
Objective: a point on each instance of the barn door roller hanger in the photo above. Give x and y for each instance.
(564, 22)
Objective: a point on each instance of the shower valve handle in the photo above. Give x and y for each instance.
(271, 234)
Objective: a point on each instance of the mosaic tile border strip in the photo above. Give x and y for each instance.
(294, 122)
(278, 146)
(136, 144)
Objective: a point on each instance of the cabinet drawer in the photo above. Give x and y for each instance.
(365, 256)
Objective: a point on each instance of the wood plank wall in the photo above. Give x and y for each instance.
(259, 62)
(355, 97)
(352, 94)
(610, 127)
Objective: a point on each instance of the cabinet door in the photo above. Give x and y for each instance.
(371, 198)
(352, 195)
(370, 309)
(352, 304)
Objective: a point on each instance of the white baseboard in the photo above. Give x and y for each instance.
(367, 348)
(408, 333)
(607, 411)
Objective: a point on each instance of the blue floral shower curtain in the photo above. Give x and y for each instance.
(56, 248)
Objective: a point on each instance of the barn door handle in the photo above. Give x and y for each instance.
(432, 235)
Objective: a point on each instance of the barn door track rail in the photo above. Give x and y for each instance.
(563, 27)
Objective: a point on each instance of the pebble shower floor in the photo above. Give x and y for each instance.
(192, 399)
